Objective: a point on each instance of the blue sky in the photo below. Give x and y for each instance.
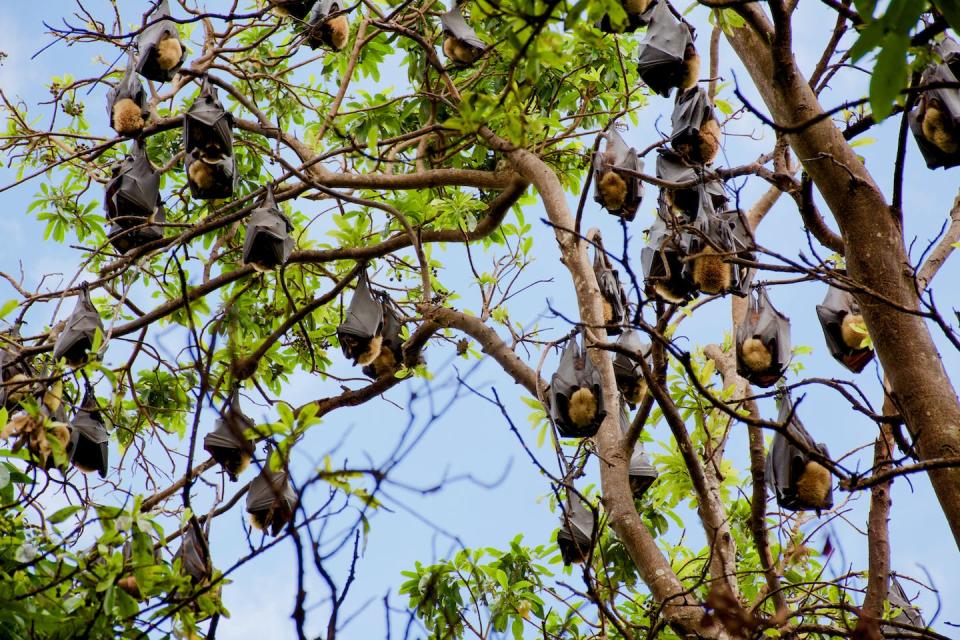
(472, 438)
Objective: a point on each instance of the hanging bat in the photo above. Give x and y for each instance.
(391, 350)
(619, 193)
(127, 103)
(194, 553)
(576, 399)
(296, 9)
(696, 131)
(663, 268)
(642, 474)
(128, 583)
(935, 122)
(324, 30)
(125, 239)
(460, 42)
(88, 449)
(841, 321)
(799, 482)
(268, 242)
(614, 300)
(227, 443)
(209, 178)
(763, 342)
(161, 53)
(716, 238)
(271, 501)
(207, 126)
(627, 371)
(361, 334)
(909, 614)
(664, 60)
(15, 377)
(685, 202)
(78, 333)
(575, 537)
(133, 194)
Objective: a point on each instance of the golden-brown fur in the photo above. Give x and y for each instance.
(459, 51)
(607, 312)
(338, 30)
(200, 174)
(372, 351)
(710, 273)
(583, 407)
(635, 7)
(634, 393)
(813, 485)
(851, 330)
(709, 143)
(128, 584)
(127, 117)
(169, 52)
(691, 67)
(664, 292)
(613, 190)
(937, 128)
(384, 363)
(53, 396)
(755, 355)
(15, 391)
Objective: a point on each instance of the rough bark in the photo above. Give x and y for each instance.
(875, 253)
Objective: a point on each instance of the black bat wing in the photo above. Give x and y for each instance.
(365, 313)
(129, 86)
(148, 40)
(82, 324)
(207, 121)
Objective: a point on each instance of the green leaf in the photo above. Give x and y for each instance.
(7, 307)
(62, 514)
(889, 75)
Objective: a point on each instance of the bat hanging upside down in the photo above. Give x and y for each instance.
(459, 51)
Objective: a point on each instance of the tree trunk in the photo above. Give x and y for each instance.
(875, 253)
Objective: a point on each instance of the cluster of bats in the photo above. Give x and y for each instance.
(688, 251)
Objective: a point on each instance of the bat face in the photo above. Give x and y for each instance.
(617, 191)
(271, 501)
(79, 330)
(663, 268)
(696, 132)
(210, 179)
(576, 403)
(575, 537)
(228, 443)
(391, 348)
(360, 335)
(660, 60)
(127, 103)
(935, 123)
(160, 53)
(837, 306)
